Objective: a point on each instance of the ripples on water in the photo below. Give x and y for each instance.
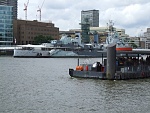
(32, 85)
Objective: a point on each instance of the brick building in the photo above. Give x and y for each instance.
(25, 31)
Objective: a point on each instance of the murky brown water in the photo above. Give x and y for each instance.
(32, 85)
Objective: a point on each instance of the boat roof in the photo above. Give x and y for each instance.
(29, 45)
(42, 46)
(134, 51)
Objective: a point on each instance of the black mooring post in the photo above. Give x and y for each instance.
(111, 61)
(78, 61)
(102, 58)
(138, 56)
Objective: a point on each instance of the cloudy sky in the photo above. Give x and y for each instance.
(131, 15)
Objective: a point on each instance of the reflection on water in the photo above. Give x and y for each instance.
(44, 86)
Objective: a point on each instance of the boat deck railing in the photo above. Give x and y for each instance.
(138, 68)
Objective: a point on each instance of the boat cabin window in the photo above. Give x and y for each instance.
(46, 49)
(27, 48)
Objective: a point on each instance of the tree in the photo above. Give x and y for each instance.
(133, 44)
(42, 39)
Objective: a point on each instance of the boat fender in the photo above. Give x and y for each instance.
(71, 72)
(79, 68)
(86, 68)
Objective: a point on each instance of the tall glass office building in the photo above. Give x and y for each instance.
(13, 3)
(6, 25)
(92, 16)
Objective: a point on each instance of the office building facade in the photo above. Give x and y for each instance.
(13, 3)
(6, 25)
(92, 16)
(147, 39)
(26, 31)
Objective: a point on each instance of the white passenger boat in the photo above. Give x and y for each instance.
(32, 51)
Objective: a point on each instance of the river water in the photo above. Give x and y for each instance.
(43, 85)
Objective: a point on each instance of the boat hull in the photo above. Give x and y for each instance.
(87, 74)
(102, 75)
(30, 53)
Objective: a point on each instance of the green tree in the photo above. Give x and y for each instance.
(42, 39)
(133, 44)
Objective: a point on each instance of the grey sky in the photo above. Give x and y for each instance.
(131, 15)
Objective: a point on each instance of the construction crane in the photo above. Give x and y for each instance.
(39, 10)
(25, 9)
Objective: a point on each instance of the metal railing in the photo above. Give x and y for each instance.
(138, 68)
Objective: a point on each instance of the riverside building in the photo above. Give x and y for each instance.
(92, 16)
(147, 39)
(89, 18)
(13, 3)
(6, 25)
(25, 31)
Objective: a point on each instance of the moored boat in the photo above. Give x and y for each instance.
(121, 68)
(113, 37)
(31, 51)
(68, 47)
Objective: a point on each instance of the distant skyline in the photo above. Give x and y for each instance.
(131, 15)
